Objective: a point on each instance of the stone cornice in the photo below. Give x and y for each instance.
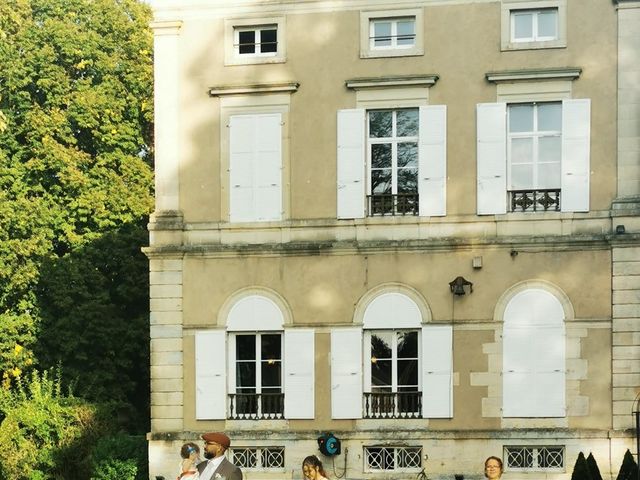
(426, 80)
(275, 87)
(568, 73)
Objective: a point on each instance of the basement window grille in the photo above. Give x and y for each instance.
(258, 458)
(548, 458)
(396, 459)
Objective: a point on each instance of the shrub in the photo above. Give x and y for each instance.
(594, 471)
(581, 469)
(45, 434)
(629, 468)
(119, 457)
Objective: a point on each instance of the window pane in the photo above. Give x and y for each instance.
(407, 344)
(380, 123)
(381, 344)
(247, 42)
(547, 23)
(550, 149)
(549, 175)
(407, 122)
(550, 117)
(268, 40)
(271, 373)
(408, 180)
(407, 155)
(522, 25)
(381, 373)
(270, 346)
(521, 177)
(245, 347)
(382, 34)
(381, 181)
(245, 375)
(521, 150)
(406, 32)
(407, 372)
(520, 118)
(381, 155)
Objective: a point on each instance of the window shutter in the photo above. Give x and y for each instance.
(576, 133)
(210, 375)
(255, 167)
(491, 154)
(351, 163)
(299, 365)
(437, 371)
(346, 373)
(432, 163)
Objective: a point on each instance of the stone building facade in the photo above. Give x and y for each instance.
(411, 224)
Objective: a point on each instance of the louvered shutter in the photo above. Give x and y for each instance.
(299, 366)
(432, 162)
(437, 371)
(351, 163)
(255, 167)
(576, 137)
(210, 375)
(491, 123)
(346, 373)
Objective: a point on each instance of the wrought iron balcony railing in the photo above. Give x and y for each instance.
(388, 204)
(393, 405)
(535, 200)
(256, 406)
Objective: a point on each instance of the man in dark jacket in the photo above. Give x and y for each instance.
(216, 466)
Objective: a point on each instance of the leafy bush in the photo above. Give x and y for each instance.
(45, 434)
(120, 457)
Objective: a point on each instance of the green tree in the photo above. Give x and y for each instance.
(75, 178)
(581, 469)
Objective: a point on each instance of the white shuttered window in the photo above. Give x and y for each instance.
(534, 356)
(210, 364)
(538, 152)
(299, 364)
(437, 371)
(346, 373)
(255, 167)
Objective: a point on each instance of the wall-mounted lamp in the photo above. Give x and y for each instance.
(620, 229)
(457, 286)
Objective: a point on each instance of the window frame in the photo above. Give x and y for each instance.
(257, 29)
(396, 448)
(535, 450)
(367, 357)
(393, 35)
(394, 141)
(367, 20)
(233, 26)
(535, 25)
(258, 451)
(258, 360)
(511, 7)
(535, 135)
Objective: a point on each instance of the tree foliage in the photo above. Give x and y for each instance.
(594, 470)
(629, 468)
(75, 188)
(581, 469)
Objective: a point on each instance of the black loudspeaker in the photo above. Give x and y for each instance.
(329, 445)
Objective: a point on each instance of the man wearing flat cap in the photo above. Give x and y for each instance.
(216, 466)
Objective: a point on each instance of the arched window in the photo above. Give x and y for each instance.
(268, 373)
(396, 366)
(534, 356)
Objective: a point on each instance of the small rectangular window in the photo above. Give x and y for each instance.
(392, 33)
(258, 458)
(396, 459)
(534, 25)
(260, 40)
(536, 458)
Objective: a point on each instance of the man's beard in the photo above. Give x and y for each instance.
(208, 455)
